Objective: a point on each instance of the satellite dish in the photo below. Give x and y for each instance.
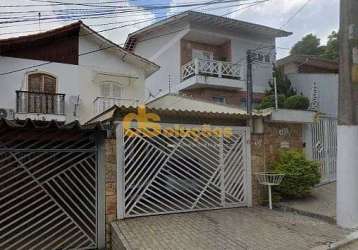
(3, 113)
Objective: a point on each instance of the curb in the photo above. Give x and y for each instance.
(325, 218)
(337, 245)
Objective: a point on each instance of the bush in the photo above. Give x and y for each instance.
(297, 102)
(269, 102)
(300, 174)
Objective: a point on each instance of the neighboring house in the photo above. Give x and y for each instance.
(317, 79)
(306, 71)
(205, 56)
(69, 73)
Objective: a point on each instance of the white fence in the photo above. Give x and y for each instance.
(211, 68)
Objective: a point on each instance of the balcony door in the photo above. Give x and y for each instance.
(42, 90)
(202, 54)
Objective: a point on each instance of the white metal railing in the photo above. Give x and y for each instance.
(211, 68)
(101, 104)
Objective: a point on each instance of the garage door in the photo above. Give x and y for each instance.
(169, 172)
(48, 190)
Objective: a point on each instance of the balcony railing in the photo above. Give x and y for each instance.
(213, 68)
(38, 102)
(101, 104)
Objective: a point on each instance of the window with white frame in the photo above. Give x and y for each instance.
(111, 89)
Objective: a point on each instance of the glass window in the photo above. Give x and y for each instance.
(111, 89)
(219, 99)
(202, 54)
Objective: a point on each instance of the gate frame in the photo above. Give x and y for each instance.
(120, 168)
(309, 137)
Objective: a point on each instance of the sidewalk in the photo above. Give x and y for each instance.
(239, 228)
(321, 204)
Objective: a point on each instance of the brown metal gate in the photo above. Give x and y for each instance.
(48, 189)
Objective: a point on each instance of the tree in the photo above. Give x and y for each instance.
(331, 50)
(309, 45)
(284, 85)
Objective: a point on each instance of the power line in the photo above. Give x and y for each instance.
(295, 14)
(86, 53)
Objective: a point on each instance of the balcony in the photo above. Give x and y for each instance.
(39, 105)
(203, 72)
(101, 104)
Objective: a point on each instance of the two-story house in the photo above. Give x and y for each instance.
(69, 73)
(205, 56)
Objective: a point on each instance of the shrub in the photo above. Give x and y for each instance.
(297, 102)
(269, 102)
(300, 174)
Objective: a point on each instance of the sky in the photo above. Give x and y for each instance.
(20, 17)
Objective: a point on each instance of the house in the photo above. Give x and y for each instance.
(309, 73)
(307, 64)
(317, 79)
(69, 73)
(205, 56)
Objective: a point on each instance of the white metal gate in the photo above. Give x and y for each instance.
(48, 191)
(167, 174)
(324, 147)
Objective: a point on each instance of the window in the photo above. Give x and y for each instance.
(202, 54)
(40, 82)
(267, 58)
(111, 89)
(219, 99)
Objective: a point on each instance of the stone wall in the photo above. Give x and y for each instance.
(265, 149)
(111, 186)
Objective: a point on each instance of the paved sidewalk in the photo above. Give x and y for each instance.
(322, 202)
(239, 228)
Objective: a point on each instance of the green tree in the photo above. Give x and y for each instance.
(309, 45)
(284, 85)
(331, 50)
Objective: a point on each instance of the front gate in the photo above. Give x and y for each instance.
(170, 173)
(324, 147)
(48, 190)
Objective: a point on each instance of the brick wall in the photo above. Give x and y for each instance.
(265, 149)
(111, 186)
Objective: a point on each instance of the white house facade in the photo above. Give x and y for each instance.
(70, 73)
(205, 56)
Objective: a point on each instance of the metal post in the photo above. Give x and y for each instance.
(249, 88)
(276, 97)
(270, 196)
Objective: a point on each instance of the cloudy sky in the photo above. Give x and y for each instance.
(116, 18)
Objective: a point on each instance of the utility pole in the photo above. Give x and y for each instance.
(347, 131)
(249, 87)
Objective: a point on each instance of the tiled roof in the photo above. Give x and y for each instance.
(312, 60)
(37, 124)
(210, 21)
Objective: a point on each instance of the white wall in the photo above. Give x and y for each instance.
(165, 52)
(327, 85)
(74, 80)
(261, 72)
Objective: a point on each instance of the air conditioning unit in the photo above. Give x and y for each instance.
(7, 113)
